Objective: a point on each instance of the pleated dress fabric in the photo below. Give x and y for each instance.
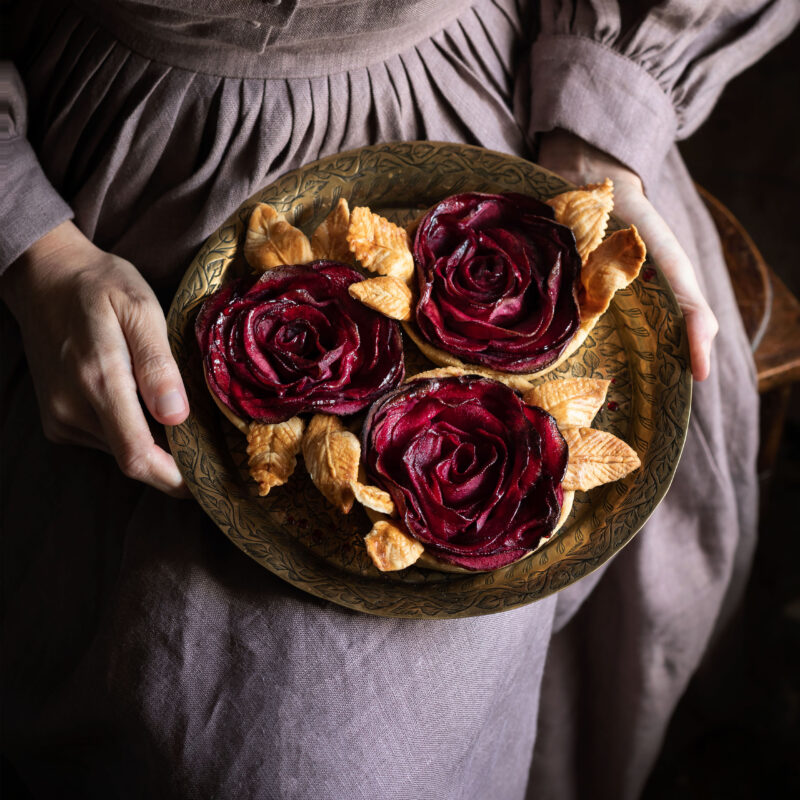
(144, 655)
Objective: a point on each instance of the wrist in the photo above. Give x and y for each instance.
(575, 159)
(54, 256)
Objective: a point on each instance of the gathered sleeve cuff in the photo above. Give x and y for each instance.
(632, 88)
(29, 205)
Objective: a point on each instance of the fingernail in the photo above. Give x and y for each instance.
(169, 404)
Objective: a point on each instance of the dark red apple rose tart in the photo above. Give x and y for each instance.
(498, 281)
(461, 473)
(293, 340)
(474, 473)
(502, 285)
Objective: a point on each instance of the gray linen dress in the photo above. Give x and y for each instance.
(144, 656)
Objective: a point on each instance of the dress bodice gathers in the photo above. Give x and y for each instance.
(271, 38)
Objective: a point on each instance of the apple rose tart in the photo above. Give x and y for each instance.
(474, 473)
(294, 340)
(461, 473)
(502, 285)
(497, 278)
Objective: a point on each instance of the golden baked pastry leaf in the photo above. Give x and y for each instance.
(573, 402)
(612, 266)
(332, 455)
(385, 294)
(329, 240)
(272, 452)
(373, 497)
(380, 245)
(596, 457)
(586, 211)
(390, 548)
(272, 241)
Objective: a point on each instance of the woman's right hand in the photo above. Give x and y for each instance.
(94, 334)
(579, 162)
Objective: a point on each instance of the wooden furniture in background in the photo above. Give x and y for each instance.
(771, 315)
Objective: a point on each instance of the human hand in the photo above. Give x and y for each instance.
(94, 333)
(579, 162)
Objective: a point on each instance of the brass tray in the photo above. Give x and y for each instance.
(639, 344)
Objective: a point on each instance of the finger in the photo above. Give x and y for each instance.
(701, 327)
(664, 248)
(157, 375)
(124, 425)
(701, 324)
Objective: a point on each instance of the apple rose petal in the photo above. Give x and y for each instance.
(573, 403)
(272, 452)
(431, 562)
(386, 294)
(390, 548)
(612, 266)
(596, 457)
(332, 455)
(586, 211)
(373, 498)
(329, 240)
(272, 241)
(379, 245)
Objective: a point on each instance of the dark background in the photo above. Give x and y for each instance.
(737, 734)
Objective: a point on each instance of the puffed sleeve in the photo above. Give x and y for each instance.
(29, 205)
(631, 78)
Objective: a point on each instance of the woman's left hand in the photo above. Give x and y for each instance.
(574, 159)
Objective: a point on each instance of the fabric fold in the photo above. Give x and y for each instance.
(44, 209)
(137, 145)
(603, 97)
(22, 177)
(633, 78)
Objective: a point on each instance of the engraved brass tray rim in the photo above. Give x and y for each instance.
(206, 462)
